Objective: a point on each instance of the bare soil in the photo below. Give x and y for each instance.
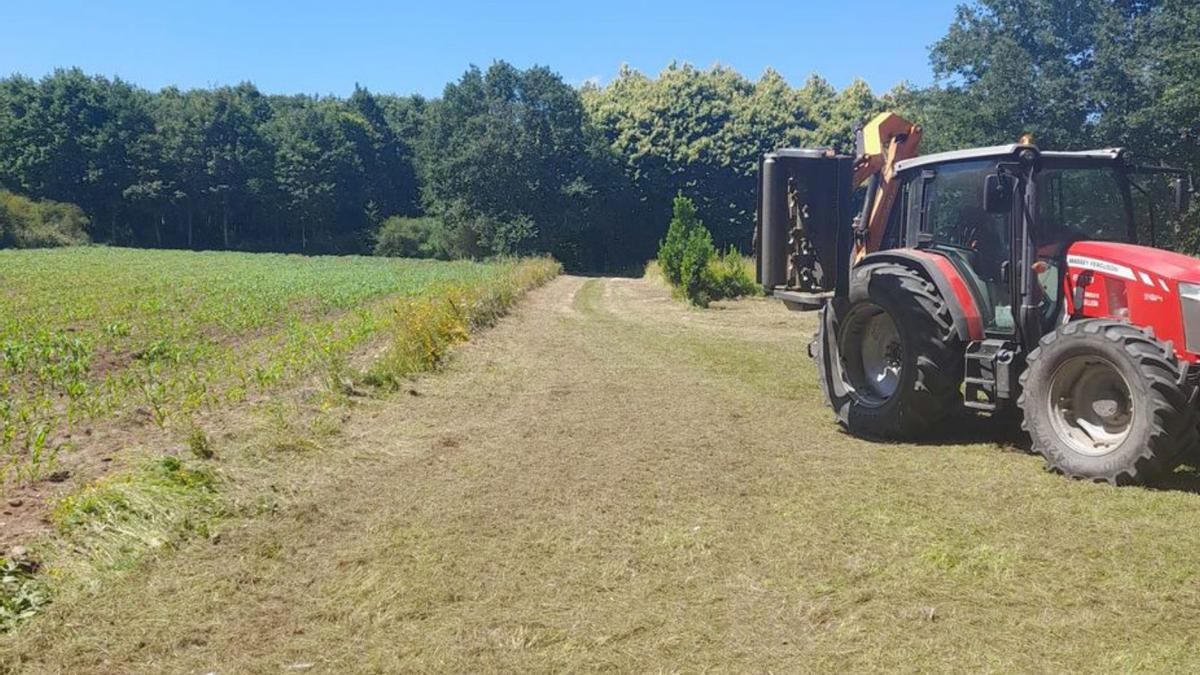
(610, 480)
(85, 454)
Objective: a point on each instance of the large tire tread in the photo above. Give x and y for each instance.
(927, 329)
(1173, 430)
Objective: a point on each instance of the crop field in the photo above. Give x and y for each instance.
(94, 335)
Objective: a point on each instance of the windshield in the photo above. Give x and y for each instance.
(1154, 210)
(1081, 203)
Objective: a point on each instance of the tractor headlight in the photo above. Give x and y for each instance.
(1189, 299)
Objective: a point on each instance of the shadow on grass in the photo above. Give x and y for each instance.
(1185, 479)
(965, 428)
(1004, 432)
(623, 273)
(1002, 429)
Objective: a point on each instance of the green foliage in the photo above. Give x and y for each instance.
(508, 164)
(25, 223)
(684, 221)
(222, 168)
(405, 237)
(22, 593)
(689, 261)
(1078, 73)
(694, 279)
(703, 131)
(732, 276)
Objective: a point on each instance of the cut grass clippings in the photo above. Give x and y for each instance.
(112, 523)
(22, 593)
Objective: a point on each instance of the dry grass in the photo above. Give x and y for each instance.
(611, 480)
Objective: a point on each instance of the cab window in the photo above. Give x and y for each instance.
(978, 242)
(1081, 203)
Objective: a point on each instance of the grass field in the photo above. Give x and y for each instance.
(90, 334)
(611, 480)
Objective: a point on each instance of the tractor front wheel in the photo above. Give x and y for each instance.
(1103, 400)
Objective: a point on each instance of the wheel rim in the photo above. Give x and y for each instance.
(878, 357)
(1091, 408)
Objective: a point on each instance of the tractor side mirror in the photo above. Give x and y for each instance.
(997, 193)
(1183, 195)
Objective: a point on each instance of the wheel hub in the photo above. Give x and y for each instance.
(1090, 405)
(882, 355)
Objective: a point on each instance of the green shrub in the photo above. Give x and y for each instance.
(401, 237)
(731, 276)
(25, 223)
(688, 260)
(695, 277)
(684, 220)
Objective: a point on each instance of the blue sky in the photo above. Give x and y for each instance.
(403, 47)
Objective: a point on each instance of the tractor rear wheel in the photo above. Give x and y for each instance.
(890, 363)
(1103, 400)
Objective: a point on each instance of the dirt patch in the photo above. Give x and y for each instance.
(82, 456)
(106, 361)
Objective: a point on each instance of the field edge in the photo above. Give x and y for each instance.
(114, 524)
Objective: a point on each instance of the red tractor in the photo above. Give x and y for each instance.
(992, 278)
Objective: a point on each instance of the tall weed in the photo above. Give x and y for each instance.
(424, 328)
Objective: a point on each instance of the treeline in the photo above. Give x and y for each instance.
(507, 160)
(222, 168)
(511, 160)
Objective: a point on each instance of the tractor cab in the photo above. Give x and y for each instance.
(1010, 218)
(994, 278)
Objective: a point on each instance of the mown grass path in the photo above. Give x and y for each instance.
(610, 480)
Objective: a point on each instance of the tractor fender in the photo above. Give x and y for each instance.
(938, 269)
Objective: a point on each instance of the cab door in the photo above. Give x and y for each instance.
(952, 221)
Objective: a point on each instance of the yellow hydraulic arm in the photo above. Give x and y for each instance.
(887, 139)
